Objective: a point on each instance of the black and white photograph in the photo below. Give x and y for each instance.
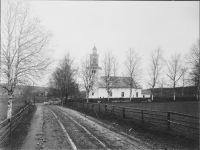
(95, 74)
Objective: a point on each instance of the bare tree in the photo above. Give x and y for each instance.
(23, 48)
(109, 71)
(174, 71)
(183, 72)
(132, 70)
(194, 61)
(88, 76)
(115, 66)
(156, 64)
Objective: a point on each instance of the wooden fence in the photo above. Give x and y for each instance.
(8, 125)
(171, 120)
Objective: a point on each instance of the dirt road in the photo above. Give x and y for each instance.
(55, 127)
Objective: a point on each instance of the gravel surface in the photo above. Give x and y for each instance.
(55, 127)
(74, 122)
(45, 132)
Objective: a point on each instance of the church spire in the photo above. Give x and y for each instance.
(94, 49)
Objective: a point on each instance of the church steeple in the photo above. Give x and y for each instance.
(94, 59)
(94, 49)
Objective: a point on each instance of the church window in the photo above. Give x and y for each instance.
(111, 94)
(136, 94)
(122, 94)
(92, 93)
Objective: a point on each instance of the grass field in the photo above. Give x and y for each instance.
(18, 103)
(188, 108)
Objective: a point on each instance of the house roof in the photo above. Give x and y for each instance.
(118, 82)
(146, 92)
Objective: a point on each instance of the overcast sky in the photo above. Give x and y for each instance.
(117, 26)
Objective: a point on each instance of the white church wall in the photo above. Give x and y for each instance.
(116, 93)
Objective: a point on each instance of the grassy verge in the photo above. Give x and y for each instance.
(187, 107)
(159, 138)
(17, 137)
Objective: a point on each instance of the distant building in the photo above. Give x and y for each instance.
(119, 85)
(146, 93)
(119, 89)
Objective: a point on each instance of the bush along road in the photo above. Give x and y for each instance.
(55, 127)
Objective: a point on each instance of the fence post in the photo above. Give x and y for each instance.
(123, 113)
(105, 108)
(142, 116)
(99, 108)
(168, 120)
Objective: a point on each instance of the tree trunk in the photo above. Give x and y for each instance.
(87, 97)
(174, 95)
(198, 92)
(174, 91)
(130, 94)
(152, 93)
(9, 111)
(66, 96)
(108, 97)
(182, 91)
(62, 101)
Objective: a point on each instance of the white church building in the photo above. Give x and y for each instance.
(119, 85)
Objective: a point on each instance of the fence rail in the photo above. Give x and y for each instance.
(171, 120)
(8, 125)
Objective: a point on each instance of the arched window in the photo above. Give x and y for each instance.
(111, 94)
(136, 94)
(122, 94)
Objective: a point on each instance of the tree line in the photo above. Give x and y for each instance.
(173, 72)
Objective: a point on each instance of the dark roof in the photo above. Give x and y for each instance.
(118, 82)
(94, 48)
(146, 92)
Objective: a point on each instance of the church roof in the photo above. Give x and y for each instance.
(94, 48)
(118, 82)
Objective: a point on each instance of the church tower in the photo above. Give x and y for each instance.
(94, 60)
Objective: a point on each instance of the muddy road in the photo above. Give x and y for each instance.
(55, 127)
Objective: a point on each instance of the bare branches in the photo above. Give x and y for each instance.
(109, 70)
(156, 64)
(174, 71)
(24, 47)
(193, 58)
(88, 77)
(132, 69)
